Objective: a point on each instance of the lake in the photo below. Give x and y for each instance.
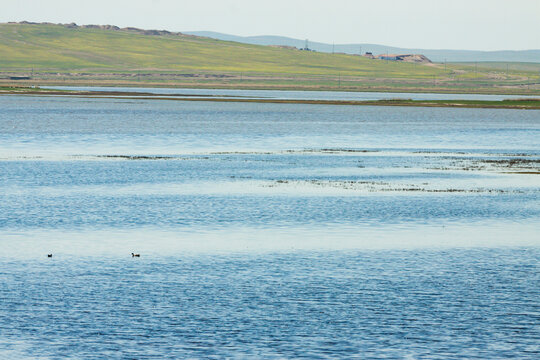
(267, 230)
(294, 94)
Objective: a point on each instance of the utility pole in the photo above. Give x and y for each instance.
(333, 47)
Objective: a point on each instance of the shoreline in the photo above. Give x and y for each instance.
(441, 89)
(520, 104)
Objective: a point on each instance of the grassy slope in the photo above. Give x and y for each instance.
(504, 66)
(53, 47)
(61, 56)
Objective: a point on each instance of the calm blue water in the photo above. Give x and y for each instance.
(297, 95)
(267, 230)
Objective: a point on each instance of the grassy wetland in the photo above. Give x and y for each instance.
(520, 103)
(49, 54)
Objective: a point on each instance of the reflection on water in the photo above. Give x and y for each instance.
(296, 95)
(267, 230)
(154, 242)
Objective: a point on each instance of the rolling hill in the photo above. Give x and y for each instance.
(70, 48)
(107, 55)
(437, 55)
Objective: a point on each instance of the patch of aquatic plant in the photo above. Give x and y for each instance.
(380, 186)
(152, 157)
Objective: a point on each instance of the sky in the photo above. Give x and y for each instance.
(429, 24)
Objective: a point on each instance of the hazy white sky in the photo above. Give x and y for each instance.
(450, 24)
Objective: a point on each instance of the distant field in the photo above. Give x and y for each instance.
(504, 66)
(55, 54)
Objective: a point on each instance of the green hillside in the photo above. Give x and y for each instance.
(55, 47)
(59, 54)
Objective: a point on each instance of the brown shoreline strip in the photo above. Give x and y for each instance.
(522, 104)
